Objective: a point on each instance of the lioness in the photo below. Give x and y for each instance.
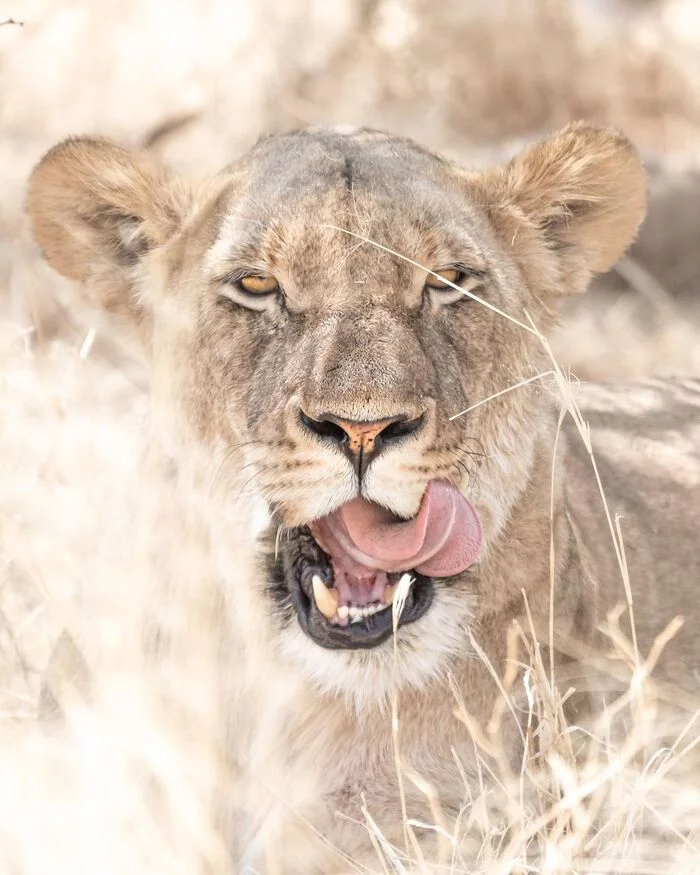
(318, 315)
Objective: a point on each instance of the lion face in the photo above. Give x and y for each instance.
(319, 315)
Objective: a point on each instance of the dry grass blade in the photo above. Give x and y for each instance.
(465, 292)
(502, 392)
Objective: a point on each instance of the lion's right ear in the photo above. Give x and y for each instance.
(96, 209)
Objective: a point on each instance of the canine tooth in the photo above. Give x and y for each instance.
(343, 612)
(389, 594)
(326, 599)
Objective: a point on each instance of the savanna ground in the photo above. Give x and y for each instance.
(196, 83)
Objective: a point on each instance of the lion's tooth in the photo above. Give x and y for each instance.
(326, 599)
(343, 612)
(389, 593)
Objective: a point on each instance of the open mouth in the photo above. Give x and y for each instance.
(341, 613)
(342, 571)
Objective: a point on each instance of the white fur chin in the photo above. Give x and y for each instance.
(369, 678)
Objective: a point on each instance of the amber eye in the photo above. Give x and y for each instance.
(443, 279)
(256, 284)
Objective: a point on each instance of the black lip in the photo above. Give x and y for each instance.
(300, 558)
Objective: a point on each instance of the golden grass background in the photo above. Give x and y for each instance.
(198, 82)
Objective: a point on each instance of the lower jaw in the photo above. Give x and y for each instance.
(302, 558)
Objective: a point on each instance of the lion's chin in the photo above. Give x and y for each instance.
(422, 655)
(338, 616)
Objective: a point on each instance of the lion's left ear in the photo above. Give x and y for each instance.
(584, 189)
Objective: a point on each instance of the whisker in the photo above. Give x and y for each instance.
(229, 452)
(245, 444)
(278, 537)
(246, 485)
(463, 452)
(216, 469)
(462, 465)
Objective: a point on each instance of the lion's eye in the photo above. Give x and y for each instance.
(444, 279)
(254, 291)
(448, 285)
(259, 284)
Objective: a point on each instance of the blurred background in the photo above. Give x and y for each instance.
(196, 82)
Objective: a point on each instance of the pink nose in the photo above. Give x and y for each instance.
(364, 437)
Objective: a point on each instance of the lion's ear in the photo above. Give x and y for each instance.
(96, 209)
(584, 189)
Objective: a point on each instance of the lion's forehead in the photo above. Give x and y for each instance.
(301, 158)
(316, 196)
(314, 176)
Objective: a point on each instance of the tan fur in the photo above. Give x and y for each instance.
(356, 337)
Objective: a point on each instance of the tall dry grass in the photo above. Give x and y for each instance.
(127, 783)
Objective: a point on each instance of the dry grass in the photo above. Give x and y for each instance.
(116, 793)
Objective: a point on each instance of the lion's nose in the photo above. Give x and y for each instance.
(362, 440)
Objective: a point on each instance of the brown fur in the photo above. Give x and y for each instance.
(357, 336)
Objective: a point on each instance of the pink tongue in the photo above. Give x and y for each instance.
(443, 538)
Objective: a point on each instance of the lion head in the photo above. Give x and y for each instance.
(318, 316)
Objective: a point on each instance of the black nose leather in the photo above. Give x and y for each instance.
(362, 441)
